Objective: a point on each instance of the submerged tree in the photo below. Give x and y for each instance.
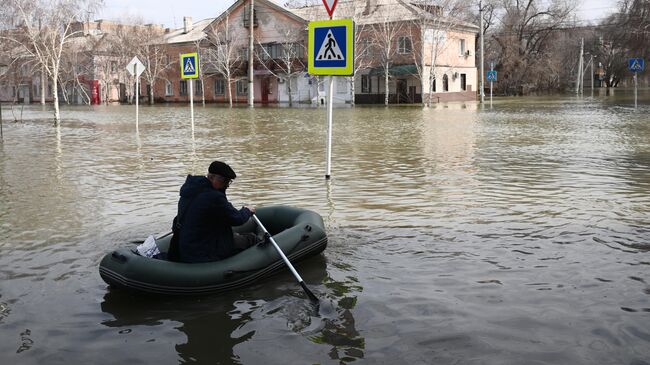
(45, 32)
(222, 56)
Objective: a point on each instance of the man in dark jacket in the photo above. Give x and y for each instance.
(205, 218)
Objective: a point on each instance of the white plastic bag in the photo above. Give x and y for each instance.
(148, 248)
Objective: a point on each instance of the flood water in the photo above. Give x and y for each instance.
(518, 234)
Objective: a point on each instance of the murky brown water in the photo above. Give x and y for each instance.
(513, 235)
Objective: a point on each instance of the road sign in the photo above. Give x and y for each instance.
(491, 75)
(331, 47)
(330, 5)
(189, 66)
(135, 67)
(635, 64)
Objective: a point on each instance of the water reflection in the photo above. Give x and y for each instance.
(235, 326)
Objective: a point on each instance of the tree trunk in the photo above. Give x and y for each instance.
(43, 86)
(55, 94)
(229, 85)
(151, 101)
(352, 91)
(289, 90)
(202, 92)
(386, 91)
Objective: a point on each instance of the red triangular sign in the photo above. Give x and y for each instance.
(330, 5)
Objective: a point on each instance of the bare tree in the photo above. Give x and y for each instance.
(223, 56)
(428, 33)
(151, 50)
(77, 68)
(285, 60)
(524, 37)
(46, 26)
(383, 35)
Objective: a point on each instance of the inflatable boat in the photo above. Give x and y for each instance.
(300, 233)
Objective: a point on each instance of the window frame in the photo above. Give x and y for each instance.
(242, 87)
(182, 88)
(219, 86)
(402, 42)
(367, 88)
(169, 88)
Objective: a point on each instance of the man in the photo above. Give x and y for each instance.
(203, 226)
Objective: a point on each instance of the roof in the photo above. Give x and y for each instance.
(380, 11)
(289, 12)
(196, 33)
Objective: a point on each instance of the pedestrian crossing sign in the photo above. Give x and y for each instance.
(331, 47)
(189, 66)
(635, 64)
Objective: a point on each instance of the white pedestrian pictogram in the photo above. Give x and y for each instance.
(636, 66)
(329, 50)
(189, 66)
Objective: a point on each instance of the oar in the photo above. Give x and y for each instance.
(142, 241)
(286, 261)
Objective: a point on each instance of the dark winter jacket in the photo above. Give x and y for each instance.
(206, 220)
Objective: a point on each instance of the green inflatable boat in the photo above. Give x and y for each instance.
(300, 233)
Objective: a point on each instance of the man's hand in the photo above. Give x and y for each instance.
(251, 208)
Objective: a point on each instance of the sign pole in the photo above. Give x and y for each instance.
(191, 81)
(137, 96)
(635, 90)
(491, 82)
(330, 53)
(330, 103)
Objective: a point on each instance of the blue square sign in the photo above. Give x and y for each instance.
(635, 64)
(330, 46)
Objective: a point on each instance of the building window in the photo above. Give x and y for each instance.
(243, 53)
(461, 46)
(367, 48)
(36, 90)
(445, 83)
(246, 15)
(242, 87)
(463, 82)
(182, 88)
(404, 45)
(113, 66)
(169, 88)
(433, 85)
(219, 86)
(198, 87)
(366, 84)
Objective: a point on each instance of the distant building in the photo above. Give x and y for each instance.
(410, 50)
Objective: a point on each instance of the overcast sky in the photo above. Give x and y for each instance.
(170, 12)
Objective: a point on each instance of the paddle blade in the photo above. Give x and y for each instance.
(309, 293)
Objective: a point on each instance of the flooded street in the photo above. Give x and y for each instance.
(518, 234)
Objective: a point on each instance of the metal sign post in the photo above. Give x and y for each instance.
(190, 71)
(331, 53)
(635, 65)
(492, 77)
(136, 68)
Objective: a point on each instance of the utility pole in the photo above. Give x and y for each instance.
(592, 75)
(480, 14)
(251, 92)
(580, 71)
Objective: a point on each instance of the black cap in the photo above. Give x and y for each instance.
(222, 169)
